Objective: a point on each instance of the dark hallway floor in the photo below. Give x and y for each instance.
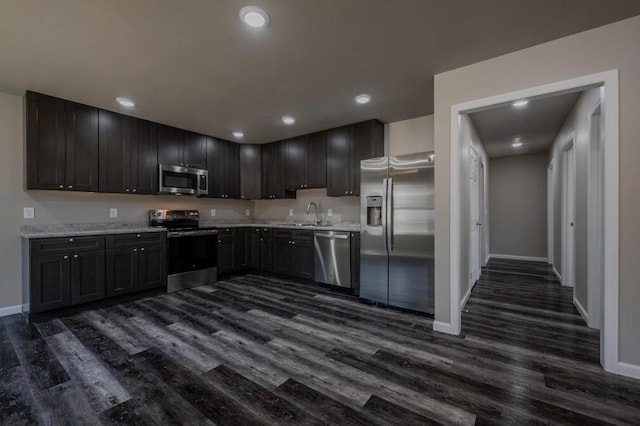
(262, 350)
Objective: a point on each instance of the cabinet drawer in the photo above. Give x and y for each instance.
(303, 236)
(43, 246)
(282, 233)
(225, 231)
(134, 240)
(265, 232)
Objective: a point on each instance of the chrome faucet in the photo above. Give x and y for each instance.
(318, 219)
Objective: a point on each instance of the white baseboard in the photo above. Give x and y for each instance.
(629, 370)
(555, 271)
(514, 257)
(10, 310)
(443, 327)
(465, 299)
(581, 309)
(487, 259)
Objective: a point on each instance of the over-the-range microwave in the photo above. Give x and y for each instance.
(183, 180)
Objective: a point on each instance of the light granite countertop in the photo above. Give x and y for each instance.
(71, 230)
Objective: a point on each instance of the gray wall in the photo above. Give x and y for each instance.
(518, 205)
(605, 48)
(577, 128)
(52, 207)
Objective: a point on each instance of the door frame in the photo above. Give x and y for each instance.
(610, 110)
(568, 196)
(484, 234)
(477, 253)
(550, 221)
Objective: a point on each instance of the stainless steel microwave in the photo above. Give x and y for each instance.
(183, 180)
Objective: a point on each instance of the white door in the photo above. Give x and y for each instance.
(474, 218)
(568, 213)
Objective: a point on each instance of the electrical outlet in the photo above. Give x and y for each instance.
(29, 213)
(113, 212)
(213, 212)
(329, 212)
(247, 212)
(290, 212)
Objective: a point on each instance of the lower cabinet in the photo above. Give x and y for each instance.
(68, 271)
(266, 250)
(243, 249)
(293, 253)
(355, 262)
(226, 251)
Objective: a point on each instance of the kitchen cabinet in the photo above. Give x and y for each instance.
(254, 249)
(243, 249)
(128, 154)
(226, 251)
(62, 144)
(355, 262)
(250, 172)
(293, 253)
(179, 147)
(273, 155)
(306, 162)
(346, 147)
(135, 262)
(64, 272)
(223, 158)
(266, 249)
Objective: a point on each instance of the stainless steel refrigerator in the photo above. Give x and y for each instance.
(397, 231)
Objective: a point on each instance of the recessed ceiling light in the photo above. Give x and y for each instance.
(238, 134)
(254, 16)
(125, 102)
(287, 119)
(516, 144)
(362, 99)
(520, 103)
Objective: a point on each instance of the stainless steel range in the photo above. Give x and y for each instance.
(191, 249)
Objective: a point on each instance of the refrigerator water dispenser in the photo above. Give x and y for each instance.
(374, 210)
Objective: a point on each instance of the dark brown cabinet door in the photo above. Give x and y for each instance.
(81, 142)
(116, 136)
(87, 277)
(152, 272)
(266, 250)
(295, 166)
(282, 262)
(317, 160)
(45, 142)
(267, 169)
(226, 251)
(50, 281)
(273, 157)
(339, 161)
(250, 172)
(223, 158)
(243, 249)
(122, 271)
(254, 248)
(194, 150)
(355, 262)
(302, 254)
(232, 170)
(368, 142)
(144, 158)
(170, 142)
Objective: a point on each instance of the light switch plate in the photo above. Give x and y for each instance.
(247, 212)
(290, 212)
(213, 212)
(113, 212)
(329, 212)
(29, 213)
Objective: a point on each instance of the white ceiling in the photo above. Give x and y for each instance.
(536, 124)
(194, 65)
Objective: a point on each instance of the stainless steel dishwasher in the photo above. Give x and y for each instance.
(333, 258)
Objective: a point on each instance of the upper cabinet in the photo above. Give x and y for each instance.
(346, 147)
(306, 161)
(128, 154)
(62, 144)
(223, 158)
(179, 147)
(250, 172)
(273, 155)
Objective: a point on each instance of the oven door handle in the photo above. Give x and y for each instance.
(175, 234)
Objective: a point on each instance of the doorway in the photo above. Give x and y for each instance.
(568, 213)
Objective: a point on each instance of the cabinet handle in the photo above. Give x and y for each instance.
(134, 190)
(346, 192)
(261, 239)
(219, 241)
(293, 242)
(70, 240)
(142, 249)
(61, 186)
(138, 235)
(70, 187)
(65, 257)
(126, 190)
(75, 256)
(186, 165)
(242, 197)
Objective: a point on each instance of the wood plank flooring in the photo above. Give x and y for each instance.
(262, 350)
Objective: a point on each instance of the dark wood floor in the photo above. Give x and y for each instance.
(259, 350)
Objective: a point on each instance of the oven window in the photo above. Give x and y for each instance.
(179, 180)
(191, 253)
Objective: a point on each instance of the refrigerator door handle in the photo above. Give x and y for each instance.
(390, 213)
(385, 196)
